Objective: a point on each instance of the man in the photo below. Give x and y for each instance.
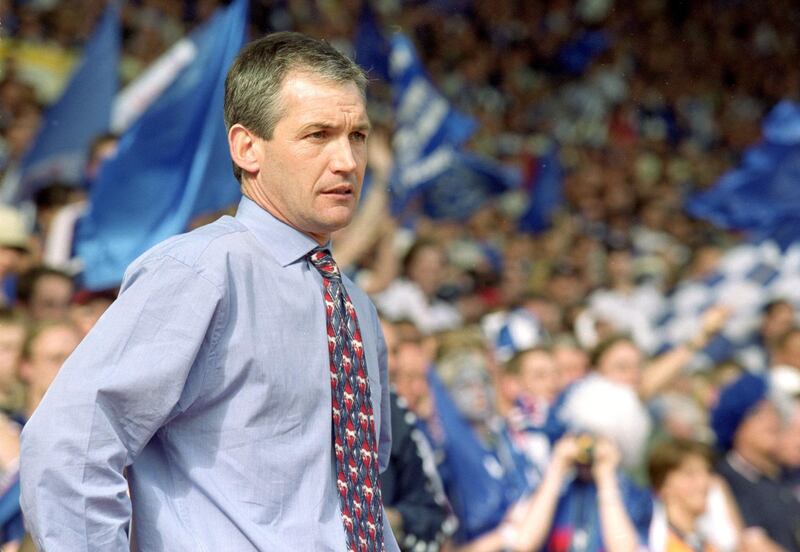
(412, 491)
(747, 425)
(414, 296)
(784, 373)
(46, 347)
(572, 361)
(14, 249)
(534, 373)
(214, 380)
(45, 293)
(409, 370)
(12, 338)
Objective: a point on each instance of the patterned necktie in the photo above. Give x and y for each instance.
(353, 422)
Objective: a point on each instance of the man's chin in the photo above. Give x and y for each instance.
(329, 225)
(337, 218)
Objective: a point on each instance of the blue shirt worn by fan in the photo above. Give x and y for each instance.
(208, 379)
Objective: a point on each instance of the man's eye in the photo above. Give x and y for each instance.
(358, 136)
(318, 135)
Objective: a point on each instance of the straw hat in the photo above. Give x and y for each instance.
(13, 232)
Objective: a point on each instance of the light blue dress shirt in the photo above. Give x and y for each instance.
(208, 379)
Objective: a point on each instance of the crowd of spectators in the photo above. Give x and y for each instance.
(528, 368)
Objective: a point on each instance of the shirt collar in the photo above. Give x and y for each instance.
(284, 243)
(743, 467)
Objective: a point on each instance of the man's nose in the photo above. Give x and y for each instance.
(343, 159)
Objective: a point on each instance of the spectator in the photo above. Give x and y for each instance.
(747, 426)
(12, 529)
(409, 374)
(572, 361)
(584, 500)
(630, 308)
(681, 475)
(88, 306)
(46, 347)
(413, 497)
(414, 296)
(12, 337)
(620, 359)
(535, 375)
(14, 245)
(484, 474)
(784, 374)
(779, 317)
(412, 491)
(45, 294)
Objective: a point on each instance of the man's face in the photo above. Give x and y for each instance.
(310, 173)
(790, 352)
(572, 362)
(687, 486)
(411, 373)
(759, 432)
(427, 269)
(622, 363)
(11, 339)
(51, 298)
(539, 375)
(472, 393)
(777, 322)
(48, 352)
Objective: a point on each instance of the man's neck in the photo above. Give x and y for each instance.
(754, 462)
(681, 519)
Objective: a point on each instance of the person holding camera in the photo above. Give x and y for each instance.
(585, 502)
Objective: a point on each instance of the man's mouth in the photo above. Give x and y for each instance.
(342, 191)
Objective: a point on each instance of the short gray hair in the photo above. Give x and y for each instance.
(253, 84)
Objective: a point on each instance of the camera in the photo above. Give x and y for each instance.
(585, 456)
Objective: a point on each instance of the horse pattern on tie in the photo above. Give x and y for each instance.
(354, 438)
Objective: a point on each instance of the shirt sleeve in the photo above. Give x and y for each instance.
(122, 383)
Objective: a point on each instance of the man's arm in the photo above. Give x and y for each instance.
(122, 383)
(618, 529)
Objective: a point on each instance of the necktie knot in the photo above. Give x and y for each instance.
(324, 263)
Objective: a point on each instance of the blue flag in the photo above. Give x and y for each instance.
(82, 112)
(466, 185)
(429, 130)
(762, 195)
(172, 163)
(371, 47)
(479, 488)
(579, 53)
(546, 195)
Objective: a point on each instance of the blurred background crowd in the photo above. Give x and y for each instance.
(620, 375)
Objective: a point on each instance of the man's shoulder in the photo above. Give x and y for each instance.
(740, 479)
(203, 249)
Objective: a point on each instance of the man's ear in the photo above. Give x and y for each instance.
(243, 148)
